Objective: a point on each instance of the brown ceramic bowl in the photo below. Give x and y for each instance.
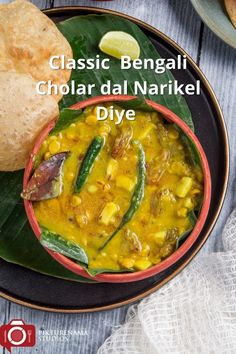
(180, 252)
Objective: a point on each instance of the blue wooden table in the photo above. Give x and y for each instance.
(177, 19)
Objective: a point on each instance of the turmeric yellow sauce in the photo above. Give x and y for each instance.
(173, 188)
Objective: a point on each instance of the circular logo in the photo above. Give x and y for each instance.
(16, 335)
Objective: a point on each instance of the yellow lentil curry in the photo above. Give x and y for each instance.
(173, 187)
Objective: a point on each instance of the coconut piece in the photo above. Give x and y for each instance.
(23, 114)
(231, 9)
(28, 39)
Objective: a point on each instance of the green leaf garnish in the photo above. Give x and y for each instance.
(67, 117)
(58, 244)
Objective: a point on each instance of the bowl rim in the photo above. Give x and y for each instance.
(176, 255)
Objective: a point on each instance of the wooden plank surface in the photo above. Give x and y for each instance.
(218, 62)
(178, 20)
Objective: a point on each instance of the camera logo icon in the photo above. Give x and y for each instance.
(17, 334)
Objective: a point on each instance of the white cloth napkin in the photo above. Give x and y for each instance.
(195, 313)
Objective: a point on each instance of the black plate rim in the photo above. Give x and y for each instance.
(156, 32)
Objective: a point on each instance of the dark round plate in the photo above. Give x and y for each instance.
(35, 290)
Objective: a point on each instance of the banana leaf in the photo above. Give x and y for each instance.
(84, 34)
(67, 117)
(17, 241)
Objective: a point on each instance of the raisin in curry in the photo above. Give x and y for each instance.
(128, 190)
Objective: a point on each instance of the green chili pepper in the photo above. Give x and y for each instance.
(87, 163)
(137, 195)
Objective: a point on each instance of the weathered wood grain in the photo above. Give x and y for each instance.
(94, 328)
(178, 20)
(42, 4)
(4, 315)
(218, 62)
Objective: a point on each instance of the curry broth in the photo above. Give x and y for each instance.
(173, 188)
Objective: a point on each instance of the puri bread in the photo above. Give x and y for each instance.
(231, 9)
(28, 39)
(23, 114)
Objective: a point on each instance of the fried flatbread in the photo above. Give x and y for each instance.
(23, 114)
(28, 39)
(231, 9)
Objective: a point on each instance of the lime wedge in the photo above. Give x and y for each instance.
(118, 43)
